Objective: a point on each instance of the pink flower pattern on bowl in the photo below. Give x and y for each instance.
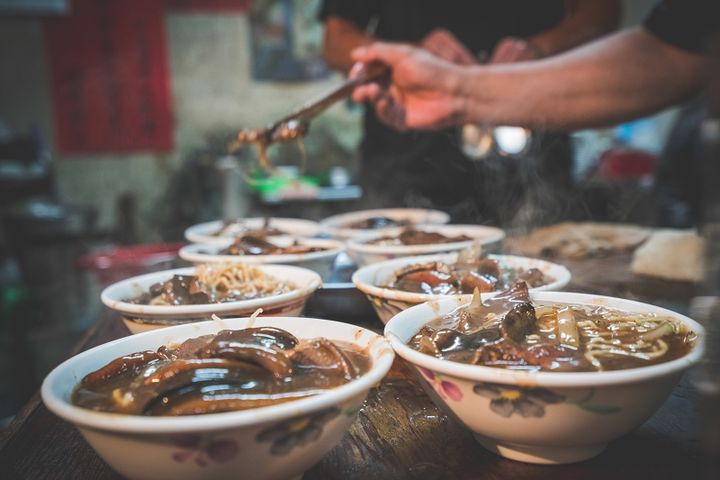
(444, 388)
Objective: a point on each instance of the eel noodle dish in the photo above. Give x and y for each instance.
(470, 271)
(214, 283)
(258, 245)
(232, 370)
(509, 331)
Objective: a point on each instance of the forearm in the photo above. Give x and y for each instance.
(341, 37)
(624, 76)
(584, 21)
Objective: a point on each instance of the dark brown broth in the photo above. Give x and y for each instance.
(439, 278)
(259, 245)
(543, 350)
(218, 373)
(373, 223)
(410, 236)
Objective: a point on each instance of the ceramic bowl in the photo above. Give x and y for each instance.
(389, 301)
(337, 225)
(365, 253)
(320, 262)
(207, 232)
(275, 442)
(543, 417)
(141, 318)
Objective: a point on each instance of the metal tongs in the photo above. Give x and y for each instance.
(296, 124)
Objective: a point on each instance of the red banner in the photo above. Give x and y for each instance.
(109, 75)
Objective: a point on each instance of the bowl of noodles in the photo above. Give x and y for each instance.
(546, 377)
(349, 225)
(244, 419)
(422, 240)
(185, 295)
(396, 285)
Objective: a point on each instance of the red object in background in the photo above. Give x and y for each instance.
(109, 77)
(119, 263)
(626, 164)
(210, 5)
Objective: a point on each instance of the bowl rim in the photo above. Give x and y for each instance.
(331, 225)
(547, 379)
(197, 233)
(190, 253)
(109, 298)
(405, 296)
(123, 423)
(484, 233)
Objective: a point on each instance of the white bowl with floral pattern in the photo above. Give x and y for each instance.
(543, 417)
(275, 442)
(373, 279)
(140, 318)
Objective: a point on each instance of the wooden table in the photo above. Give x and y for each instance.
(400, 433)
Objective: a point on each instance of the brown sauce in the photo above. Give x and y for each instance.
(411, 236)
(233, 370)
(486, 275)
(373, 223)
(258, 245)
(508, 331)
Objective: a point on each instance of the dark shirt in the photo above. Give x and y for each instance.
(428, 168)
(686, 24)
(681, 190)
(479, 25)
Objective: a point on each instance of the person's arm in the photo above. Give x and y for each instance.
(623, 76)
(341, 37)
(584, 20)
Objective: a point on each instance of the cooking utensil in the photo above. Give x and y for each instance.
(296, 123)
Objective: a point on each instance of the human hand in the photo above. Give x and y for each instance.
(422, 93)
(442, 43)
(511, 49)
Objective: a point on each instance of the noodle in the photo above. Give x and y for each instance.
(605, 344)
(261, 148)
(508, 331)
(215, 283)
(303, 155)
(239, 280)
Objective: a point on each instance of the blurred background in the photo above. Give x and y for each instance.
(115, 120)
